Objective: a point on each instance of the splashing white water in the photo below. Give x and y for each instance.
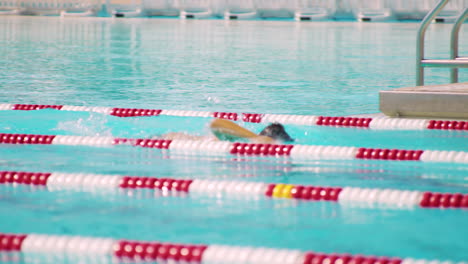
(94, 125)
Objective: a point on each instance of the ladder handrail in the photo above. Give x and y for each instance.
(454, 42)
(454, 62)
(420, 40)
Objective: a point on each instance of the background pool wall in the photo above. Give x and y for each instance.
(310, 9)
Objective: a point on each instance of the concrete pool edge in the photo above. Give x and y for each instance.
(433, 101)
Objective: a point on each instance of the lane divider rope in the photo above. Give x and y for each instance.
(217, 188)
(311, 120)
(125, 251)
(199, 147)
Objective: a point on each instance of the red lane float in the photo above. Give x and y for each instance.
(261, 149)
(389, 154)
(132, 112)
(317, 258)
(11, 242)
(28, 107)
(226, 115)
(252, 118)
(108, 249)
(371, 196)
(27, 178)
(445, 200)
(448, 125)
(343, 121)
(199, 147)
(145, 143)
(379, 122)
(26, 139)
(166, 184)
(151, 251)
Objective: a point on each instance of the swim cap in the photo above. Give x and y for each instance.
(277, 132)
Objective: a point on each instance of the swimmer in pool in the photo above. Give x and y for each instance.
(226, 130)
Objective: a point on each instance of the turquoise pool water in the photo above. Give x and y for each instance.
(253, 66)
(323, 68)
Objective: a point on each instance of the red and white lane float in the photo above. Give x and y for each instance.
(129, 251)
(198, 147)
(248, 190)
(380, 122)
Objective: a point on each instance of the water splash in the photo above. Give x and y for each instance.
(94, 125)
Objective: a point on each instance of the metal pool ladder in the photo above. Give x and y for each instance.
(455, 61)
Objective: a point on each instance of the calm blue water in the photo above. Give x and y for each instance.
(253, 66)
(324, 68)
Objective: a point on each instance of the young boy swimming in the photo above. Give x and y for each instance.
(226, 130)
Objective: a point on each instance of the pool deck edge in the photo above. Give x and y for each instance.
(432, 101)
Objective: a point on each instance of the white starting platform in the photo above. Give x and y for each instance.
(435, 101)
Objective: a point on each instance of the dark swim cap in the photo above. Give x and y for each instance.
(277, 132)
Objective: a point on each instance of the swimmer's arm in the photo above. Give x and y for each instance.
(226, 130)
(184, 136)
(263, 140)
